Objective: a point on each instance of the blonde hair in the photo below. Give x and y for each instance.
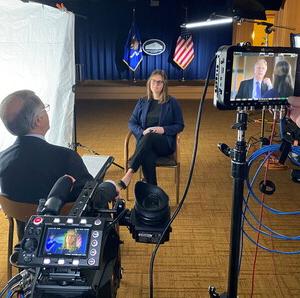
(164, 92)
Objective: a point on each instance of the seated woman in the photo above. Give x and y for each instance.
(282, 81)
(155, 122)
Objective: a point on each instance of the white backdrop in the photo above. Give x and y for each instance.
(37, 53)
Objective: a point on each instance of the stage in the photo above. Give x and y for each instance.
(128, 90)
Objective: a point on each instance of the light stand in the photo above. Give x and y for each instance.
(238, 173)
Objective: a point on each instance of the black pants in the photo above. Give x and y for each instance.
(148, 149)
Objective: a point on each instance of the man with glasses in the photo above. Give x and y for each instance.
(258, 85)
(30, 167)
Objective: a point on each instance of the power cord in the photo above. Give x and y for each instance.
(194, 155)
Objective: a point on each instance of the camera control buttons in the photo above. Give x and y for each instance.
(37, 231)
(83, 221)
(70, 220)
(93, 252)
(46, 261)
(94, 243)
(97, 222)
(60, 261)
(75, 262)
(37, 221)
(91, 261)
(95, 234)
(27, 259)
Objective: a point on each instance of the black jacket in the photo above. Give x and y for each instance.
(246, 89)
(30, 167)
(170, 119)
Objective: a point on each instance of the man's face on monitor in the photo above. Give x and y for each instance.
(260, 69)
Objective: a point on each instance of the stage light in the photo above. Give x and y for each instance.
(207, 23)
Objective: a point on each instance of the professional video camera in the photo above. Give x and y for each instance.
(78, 255)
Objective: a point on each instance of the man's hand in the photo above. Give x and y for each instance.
(268, 82)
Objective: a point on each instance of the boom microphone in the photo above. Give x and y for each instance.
(58, 195)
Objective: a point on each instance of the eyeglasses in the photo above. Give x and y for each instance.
(157, 82)
(46, 109)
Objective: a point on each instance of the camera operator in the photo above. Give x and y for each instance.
(31, 166)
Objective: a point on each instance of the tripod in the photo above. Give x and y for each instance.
(76, 144)
(238, 173)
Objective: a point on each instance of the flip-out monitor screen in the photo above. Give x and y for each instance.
(263, 76)
(66, 241)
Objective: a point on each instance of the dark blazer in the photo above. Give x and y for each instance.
(170, 119)
(246, 89)
(30, 167)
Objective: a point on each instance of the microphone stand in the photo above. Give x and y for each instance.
(77, 144)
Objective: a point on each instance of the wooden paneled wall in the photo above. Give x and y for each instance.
(287, 17)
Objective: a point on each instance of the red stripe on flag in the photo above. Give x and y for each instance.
(183, 49)
(186, 64)
(179, 43)
(179, 49)
(186, 52)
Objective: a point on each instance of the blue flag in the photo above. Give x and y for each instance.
(133, 54)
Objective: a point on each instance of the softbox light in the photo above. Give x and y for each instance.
(37, 53)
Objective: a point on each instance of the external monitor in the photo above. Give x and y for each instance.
(255, 76)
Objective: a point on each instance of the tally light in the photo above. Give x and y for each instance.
(208, 23)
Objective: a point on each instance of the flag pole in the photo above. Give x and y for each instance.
(182, 71)
(134, 80)
(133, 21)
(182, 75)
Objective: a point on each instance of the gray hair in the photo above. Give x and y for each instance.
(18, 111)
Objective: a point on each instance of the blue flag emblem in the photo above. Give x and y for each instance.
(133, 54)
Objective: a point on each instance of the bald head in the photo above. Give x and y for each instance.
(18, 111)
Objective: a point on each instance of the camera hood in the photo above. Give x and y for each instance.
(152, 203)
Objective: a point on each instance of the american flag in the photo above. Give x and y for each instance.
(184, 51)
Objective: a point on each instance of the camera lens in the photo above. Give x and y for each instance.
(152, 204)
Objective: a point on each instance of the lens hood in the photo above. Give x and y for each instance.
(152, 204)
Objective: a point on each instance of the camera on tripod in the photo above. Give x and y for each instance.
(78, 255)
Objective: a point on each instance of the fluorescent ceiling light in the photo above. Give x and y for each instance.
(208, 23)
